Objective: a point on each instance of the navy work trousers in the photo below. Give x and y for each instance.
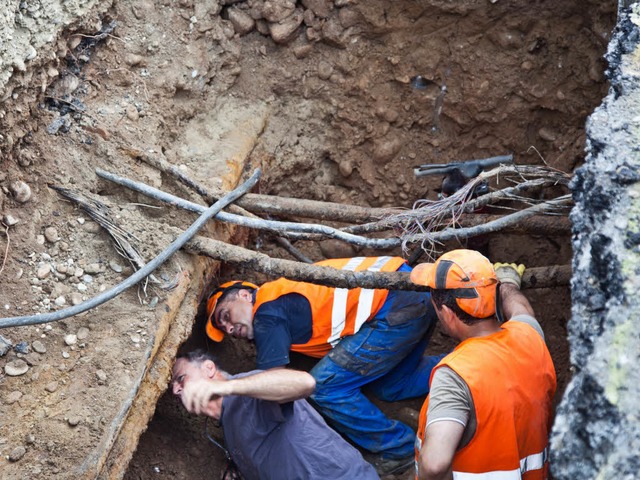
(387, 356)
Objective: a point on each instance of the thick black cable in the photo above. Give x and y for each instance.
(178, 243)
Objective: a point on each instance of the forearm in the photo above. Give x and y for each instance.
(279, 385)
(514, 302)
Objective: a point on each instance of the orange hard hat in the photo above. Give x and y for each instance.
(469, 274)
(213, 332)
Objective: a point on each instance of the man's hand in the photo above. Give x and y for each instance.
(509, 273)
(197, 394)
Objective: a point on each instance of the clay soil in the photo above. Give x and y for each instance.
(338, 115)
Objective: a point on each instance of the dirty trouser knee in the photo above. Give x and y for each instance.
(355, 362)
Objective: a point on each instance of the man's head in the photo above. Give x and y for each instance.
(464, 281)
(230, 310)
(194, 366)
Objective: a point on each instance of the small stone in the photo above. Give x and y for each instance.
(83, 333)
(16, 368)
(70, 339)
(51, 234)
(65, 355)
(133, 59)
(92, 268)
(60, 301)
(82, 287)
(547, 134)
(40, 239)
(325, 70)
(135, 338)
(87, 278)
(74, 420)
(17, 453)
(101, 375)
(132, 113)
(76, 298)
(115, 266)
(32, 359)
(43, 271)
(81, 220)
(51, 387)
(39, 347)
(285, 31)
(241, 21)
(21, 347)
(30, 439)
(5, 345)
(9, 220)
(12, 397)
(20, 190)
(301, 51)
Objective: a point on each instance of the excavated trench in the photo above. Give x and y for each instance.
(336, 101)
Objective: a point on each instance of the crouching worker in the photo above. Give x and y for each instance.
(270, 431)
(488, 413)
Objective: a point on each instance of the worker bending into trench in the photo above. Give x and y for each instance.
(270, 431)
(488, 413)
(373, 338)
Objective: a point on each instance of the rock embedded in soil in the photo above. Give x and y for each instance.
(5, 345)
(43, 271)
(20, 190)
(51, 234)
(241, 21)
(286, 30)
(16, 368)
(12, 397)
(17, 453)
(70, 339)
(39, 347)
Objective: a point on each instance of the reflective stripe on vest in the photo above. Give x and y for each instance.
(339, 311)
(528, 464)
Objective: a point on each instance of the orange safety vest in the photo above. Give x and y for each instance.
(512, 381)
(336, 312)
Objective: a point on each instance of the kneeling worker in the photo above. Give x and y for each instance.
(488, 413)
(270, 431)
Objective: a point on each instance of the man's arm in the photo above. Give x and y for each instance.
(514, 302)
(439, 447)
(280, 385)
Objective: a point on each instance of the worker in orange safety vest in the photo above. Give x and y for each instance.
(489, 410)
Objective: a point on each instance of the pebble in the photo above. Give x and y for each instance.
(285, 31)
(17, 453)
(12, 397)
(241, 21)
(43, 271)
(82, 287)
(135, 338)
(51, 234)
(20, 190)
(132, 113)
(16, 368)
(92, 268)
(115, 266)
(51, 387)
(76, 298)
(78, 272)
(64, 355)
(325, 70)
(39, 347)
(101, 375)
(32, 359)
(9, 220)
(547, 134)
(5, 345)
(70, 339)
(74, 420)
(133, 59)
(62, 268)
(87, 278)
(40, 239)
(60, 301)
(83, 333)
(21, 347)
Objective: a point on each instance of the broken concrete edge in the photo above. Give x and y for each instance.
(596, 429)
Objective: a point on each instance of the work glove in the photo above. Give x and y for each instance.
(509, 273)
